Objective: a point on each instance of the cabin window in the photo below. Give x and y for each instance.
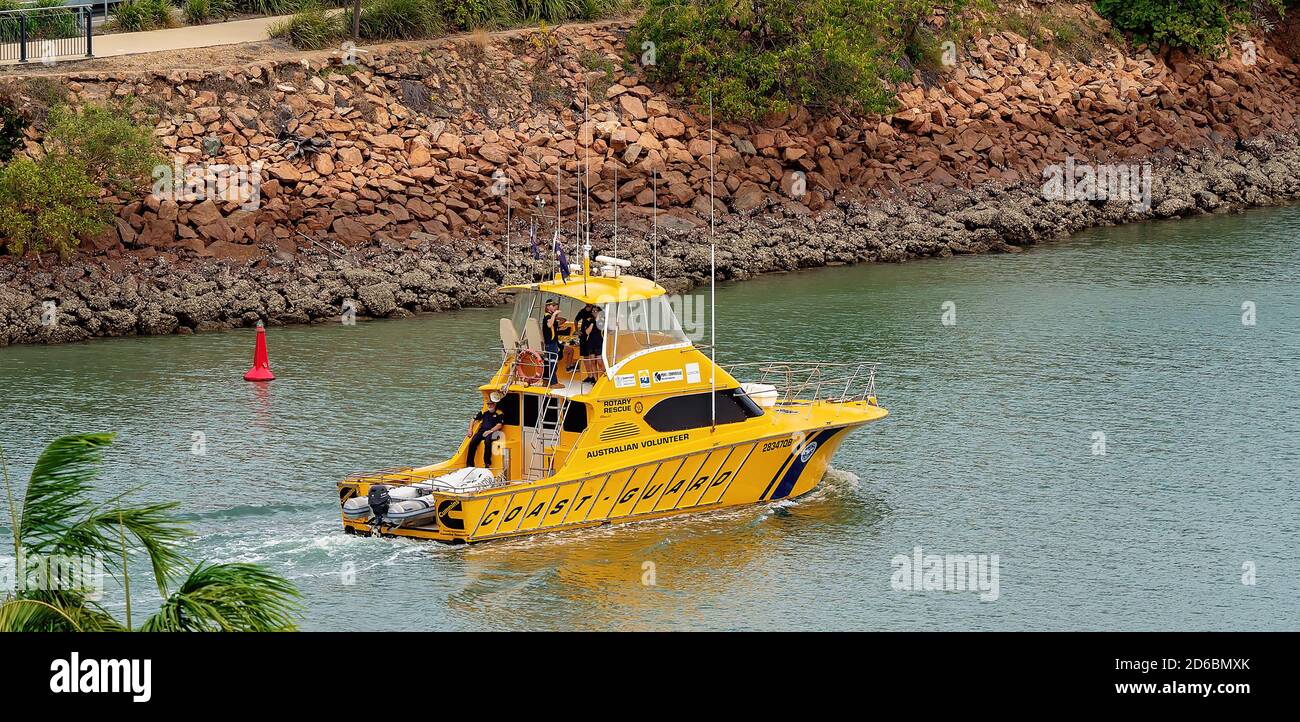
(634, 328)
(508, 407)
(575, 419)
(693, 411)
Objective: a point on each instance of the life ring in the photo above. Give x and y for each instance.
(529, 366)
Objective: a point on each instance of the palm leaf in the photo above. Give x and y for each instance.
(52, 613)
(157, 532)
(56, 493)
(234, 597)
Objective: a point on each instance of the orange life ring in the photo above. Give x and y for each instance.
(529, 366)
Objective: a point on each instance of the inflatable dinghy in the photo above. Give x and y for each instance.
(407, 505)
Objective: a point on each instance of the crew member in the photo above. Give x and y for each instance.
(552, 324)
(578, 321)
(486, 426)
(592, 342)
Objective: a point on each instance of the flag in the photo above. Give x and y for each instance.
(559, 252)
(532, 238)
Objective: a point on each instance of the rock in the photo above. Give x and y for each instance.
(378, 299)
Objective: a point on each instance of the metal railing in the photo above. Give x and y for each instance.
(399, 476)
(811, 380)
(46, 34)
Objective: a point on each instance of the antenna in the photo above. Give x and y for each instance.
(586, 115)
(508, 256)
(559, 166)
(618, 128)
(654, 233)
(577, 186)
(713, 288)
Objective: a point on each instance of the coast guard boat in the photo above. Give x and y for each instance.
(661, 431)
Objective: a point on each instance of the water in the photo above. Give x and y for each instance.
(1133, 332)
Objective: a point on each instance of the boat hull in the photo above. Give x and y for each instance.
(736, 474)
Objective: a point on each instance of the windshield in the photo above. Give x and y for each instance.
(634, 328)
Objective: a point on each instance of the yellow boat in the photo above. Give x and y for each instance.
(661, 431)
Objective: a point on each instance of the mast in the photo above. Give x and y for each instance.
(654, 232)
(508, 255)
(713, 288)
(586, 114)
(559, 166)
(618, 128)
(577, 187)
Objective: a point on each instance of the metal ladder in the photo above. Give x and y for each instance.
(541, 429)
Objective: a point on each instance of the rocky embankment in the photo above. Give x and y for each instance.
(157, 296)
(380, 181)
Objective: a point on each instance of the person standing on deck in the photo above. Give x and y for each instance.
(592, 343)
(579, 322)
(486, 427)
(551, 325)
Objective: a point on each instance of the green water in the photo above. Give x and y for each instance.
(1133, 332)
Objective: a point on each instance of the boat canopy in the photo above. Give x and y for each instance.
(637, 318)
(598, 290)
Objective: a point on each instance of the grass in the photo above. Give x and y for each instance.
(138, 15)
(198, 12)
(311, 29)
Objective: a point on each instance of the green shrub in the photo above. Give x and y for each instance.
(47, 205)
(198, 12)
(52, 203)
(137, 15)
(474, 14)
(757, 56)
(396, 19)
(113, 149)
(311, 29)
(1200, 25)
(57, 21)
(269, 7)
(12, 125)
(8, 23)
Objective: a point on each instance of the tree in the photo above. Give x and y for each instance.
(52, 202)
(58, 519)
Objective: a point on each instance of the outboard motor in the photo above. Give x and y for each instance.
(379, 501)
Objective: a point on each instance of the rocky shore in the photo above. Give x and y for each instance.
(380, 180)
(93, 297)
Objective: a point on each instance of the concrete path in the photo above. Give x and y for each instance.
(195, 36)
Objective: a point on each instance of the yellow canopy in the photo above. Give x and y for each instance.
(595, 289)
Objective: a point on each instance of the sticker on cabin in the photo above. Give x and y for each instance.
(644, 378)
(669, 375)
(692, 373)
(623, 381)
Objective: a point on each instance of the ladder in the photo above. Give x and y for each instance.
(546, 433)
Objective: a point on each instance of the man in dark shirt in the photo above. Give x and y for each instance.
(486, 426)
(579, 321)
(551, 325)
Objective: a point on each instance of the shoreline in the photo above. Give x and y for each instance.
(94, 298)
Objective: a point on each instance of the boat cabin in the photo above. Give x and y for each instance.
(650, 380)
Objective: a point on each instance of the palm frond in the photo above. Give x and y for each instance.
(56, 493)
(52, 613)
(157, 532)
(234, 597)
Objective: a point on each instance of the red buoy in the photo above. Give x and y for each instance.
(261, 370)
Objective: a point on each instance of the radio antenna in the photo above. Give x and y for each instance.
(713, 287)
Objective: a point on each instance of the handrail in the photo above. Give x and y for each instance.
(811, 381)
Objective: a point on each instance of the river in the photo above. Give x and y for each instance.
(1125, 340)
